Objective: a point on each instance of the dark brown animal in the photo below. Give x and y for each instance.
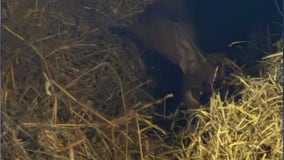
(176, 41)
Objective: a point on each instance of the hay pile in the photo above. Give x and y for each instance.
(71, 90)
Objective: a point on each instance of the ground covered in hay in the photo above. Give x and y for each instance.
(70, 90)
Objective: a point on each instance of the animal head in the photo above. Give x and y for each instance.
(199, 80)
(176, 42)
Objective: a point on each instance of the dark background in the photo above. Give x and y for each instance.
(219, 22)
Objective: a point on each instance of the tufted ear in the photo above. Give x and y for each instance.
(190, 57)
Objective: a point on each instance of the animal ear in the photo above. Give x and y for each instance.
(215, 58)
(190, 56)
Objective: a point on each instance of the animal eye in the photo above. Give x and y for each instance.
(202, 95)
(197, 93)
